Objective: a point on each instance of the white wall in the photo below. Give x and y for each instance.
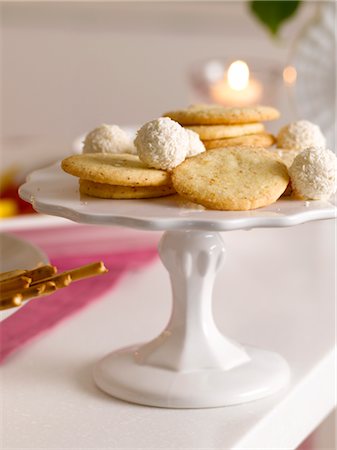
(68, 66)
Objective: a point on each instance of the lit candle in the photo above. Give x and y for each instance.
(237, 88)
(289, 75)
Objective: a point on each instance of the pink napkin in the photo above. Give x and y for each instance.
(308, 444)
(120, 251)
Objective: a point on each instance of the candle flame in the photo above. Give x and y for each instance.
(289, 75)
(238, 75)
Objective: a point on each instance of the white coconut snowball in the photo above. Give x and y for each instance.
(195, 145)
(108, 139)
(313, 174)
(300, 135)
(162, 143)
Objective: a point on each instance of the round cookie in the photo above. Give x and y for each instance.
(211, 132)
(234, 179)
(116, 169)
(102, 190)
(252, 140)
(221, 115)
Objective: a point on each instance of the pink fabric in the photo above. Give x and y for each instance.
(40, 315)
(308, 444)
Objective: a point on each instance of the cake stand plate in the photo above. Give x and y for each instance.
(190, 364)
(51, 191)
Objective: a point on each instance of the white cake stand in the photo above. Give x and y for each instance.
(190, 364)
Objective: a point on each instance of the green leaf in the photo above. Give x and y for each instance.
(273, 13)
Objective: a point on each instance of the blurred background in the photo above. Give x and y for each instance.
(69, 66)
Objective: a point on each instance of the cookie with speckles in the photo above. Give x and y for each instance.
(253, 140)
(211, 132)
(103, 190)
(116, 169)
(232, 179)
(222, 115)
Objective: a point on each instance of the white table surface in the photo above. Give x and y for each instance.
(277, 291)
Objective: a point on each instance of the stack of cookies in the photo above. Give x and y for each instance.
(238, 172)
(117, 176)
(219, 127)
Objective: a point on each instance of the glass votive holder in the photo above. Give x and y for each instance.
(240, 81)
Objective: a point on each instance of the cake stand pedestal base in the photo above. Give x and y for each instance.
(121, 376)
(191, 364)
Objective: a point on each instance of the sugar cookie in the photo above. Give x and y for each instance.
(102, 190)
(252, 140)
(218, 115)
(116, 169)
(231, 179)
(211, 132)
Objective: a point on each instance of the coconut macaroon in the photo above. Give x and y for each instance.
(313, 174)
(195, 144)
(300, 135)
(108, 139)
(162, 143)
